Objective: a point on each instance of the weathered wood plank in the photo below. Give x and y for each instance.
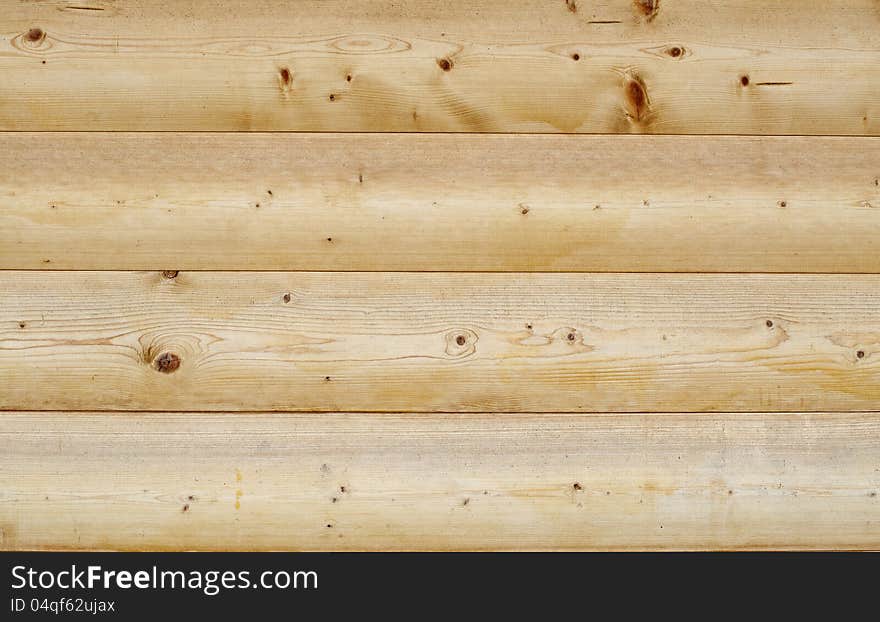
(440, 202)
(751, 67)
(438, 342)
(428, 482)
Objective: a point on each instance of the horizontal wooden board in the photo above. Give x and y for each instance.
(439, 202)
(643, 66)
(438, 342)
(429, 482)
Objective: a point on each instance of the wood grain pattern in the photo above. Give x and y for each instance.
(414, 316)
(751, 67)
(438, 342)
(462, 482)
(440, 202)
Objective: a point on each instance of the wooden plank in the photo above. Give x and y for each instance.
(440, 202)
(438, 342)
(751, 67)
(439, 482)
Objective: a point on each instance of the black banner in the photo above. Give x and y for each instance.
(133, 586)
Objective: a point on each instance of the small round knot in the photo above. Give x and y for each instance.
(35, 35)
(445, 64)
(170, 274)
(569, 336)
(860, 354)
(460, 342)
(167, 362)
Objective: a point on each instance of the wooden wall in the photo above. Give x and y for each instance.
(360, 275)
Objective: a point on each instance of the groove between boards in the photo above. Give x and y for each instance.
(474, 272)
(463, 413)
(573, 135)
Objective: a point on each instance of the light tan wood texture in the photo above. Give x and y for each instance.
(475, 482)
(418, 275)
(438, 342)
(621, 66)
(439, 202)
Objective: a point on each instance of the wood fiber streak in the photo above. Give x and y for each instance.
(439, 202)
(682, 67)
(438, 342)
(439, 482)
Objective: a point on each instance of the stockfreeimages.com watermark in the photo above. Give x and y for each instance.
(209, 582)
